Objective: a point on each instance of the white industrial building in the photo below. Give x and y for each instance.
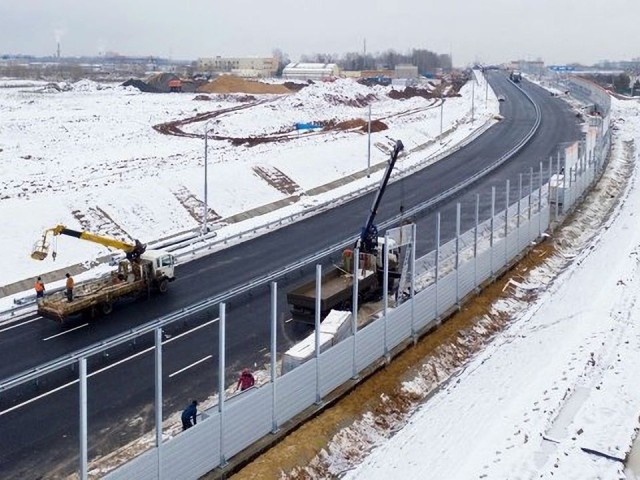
(240, 66)
(406, 71)
(311, 71)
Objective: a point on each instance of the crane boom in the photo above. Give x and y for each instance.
(133, 251)
(369, 235)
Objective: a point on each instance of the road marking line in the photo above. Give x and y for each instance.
(190, 331)
(189, 366)
(64, 333)
(46, 394)
(20, 324)
(15, 407)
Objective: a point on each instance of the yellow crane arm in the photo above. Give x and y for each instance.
(133, 251)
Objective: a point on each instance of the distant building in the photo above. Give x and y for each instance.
(406, 71)
(241, 66)
(311, 71)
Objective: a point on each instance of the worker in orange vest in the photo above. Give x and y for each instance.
(39, 287)
(69, 286)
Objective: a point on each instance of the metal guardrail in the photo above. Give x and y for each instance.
(149, 327)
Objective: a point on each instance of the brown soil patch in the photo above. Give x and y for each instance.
(232, 84)
(277, 179)
(296, 87)
(356, 123)
(410, 92)
(195, 206)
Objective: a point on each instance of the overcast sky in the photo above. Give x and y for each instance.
(558, 31)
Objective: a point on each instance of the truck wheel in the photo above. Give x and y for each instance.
(163, 286)
(106, 308)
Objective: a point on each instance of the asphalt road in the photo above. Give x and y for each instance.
(125, 390)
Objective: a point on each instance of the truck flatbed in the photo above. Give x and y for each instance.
(96, 297)
(337, 288)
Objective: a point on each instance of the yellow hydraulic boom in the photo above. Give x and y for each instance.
(41, 249)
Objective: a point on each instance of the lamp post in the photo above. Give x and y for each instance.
(486, 90)
(473, 95)
(441, 115)
(369, 144)
(205, 227)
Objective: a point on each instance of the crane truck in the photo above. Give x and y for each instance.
(142, 271)
(337, 282)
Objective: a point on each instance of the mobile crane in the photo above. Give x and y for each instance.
(337, 283)
(142, 271)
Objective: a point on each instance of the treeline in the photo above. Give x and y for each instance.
(426, 60)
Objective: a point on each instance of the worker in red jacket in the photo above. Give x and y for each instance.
(246, 380)
(39, 287)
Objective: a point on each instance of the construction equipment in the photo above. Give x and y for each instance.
(41, 248)
(143, 271)
(337, 283)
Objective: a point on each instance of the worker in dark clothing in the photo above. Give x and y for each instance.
(39, 286)
(190, 413)
(246, 380)
(69, 285)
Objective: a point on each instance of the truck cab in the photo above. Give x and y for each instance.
(394, 254)
(162, 262)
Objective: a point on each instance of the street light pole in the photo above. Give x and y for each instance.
(486, 90)
(369, 144)
(441, 115)
(473, 95)
(205, 227)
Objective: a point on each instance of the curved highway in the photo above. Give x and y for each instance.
(122, 392)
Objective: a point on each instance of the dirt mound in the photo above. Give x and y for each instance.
(295, 87)
(160, 81)
(410, 92)
(231, 84)
(140, 85)
(204, 98)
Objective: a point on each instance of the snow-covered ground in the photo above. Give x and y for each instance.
(86, 155)
(554, 395)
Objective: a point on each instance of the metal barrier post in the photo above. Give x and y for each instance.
(354, 311)
(564, 188)
(493, 214)
(506, 223)
(549, 194)
(221, 382)
(458, 254)
(413, 281)
(540, 203)
(274, 351)
(519, 209)
(317, 332)
(83, 419)
(385, 290)
(437, 263)
(530, 196)
(558, 187)
(158, 399)
(572, 185)
(475, 243)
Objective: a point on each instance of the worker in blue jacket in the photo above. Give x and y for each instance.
(189, 413)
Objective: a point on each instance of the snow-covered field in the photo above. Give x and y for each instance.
(555, 395)
(86, 155)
